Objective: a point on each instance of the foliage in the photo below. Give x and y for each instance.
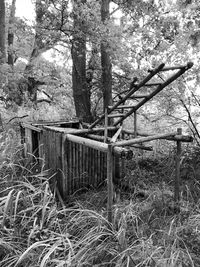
(144, 34)
(37, 230)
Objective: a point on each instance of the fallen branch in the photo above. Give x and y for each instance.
(17, 117)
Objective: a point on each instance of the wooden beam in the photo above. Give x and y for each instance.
(56, 123)
(147, 148)
(143, 139)
(122, 107)
(138, 96)
(152, 84)
(188, 66)
(116, 115)
(131, 92)
(101, 138)
(116, 135)
(106, 126)
(31, 127)
(157, 90)
(123, 152)
(177, 172)
(182, 138)
(78, 131)
(97, 137)
(110, 182)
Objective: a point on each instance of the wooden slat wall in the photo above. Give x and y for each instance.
(82, 167)
(72, 166)
(50, 146)
(28, 140)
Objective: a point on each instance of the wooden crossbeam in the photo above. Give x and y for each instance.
(116, 115)
(190, 64)
(123, 152)
(101, 138)
(78, 131)
(143, 139)
(152, 84)
(138, 96)
(31, 127)
(116, 135)
(182, 138)
(123, 106)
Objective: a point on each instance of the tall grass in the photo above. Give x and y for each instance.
(37, 231)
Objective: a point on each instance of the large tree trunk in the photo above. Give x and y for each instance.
(11, 33)
(105, 59)
(2, 32)
(80, 87)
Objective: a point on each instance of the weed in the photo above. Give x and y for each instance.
(37, 231)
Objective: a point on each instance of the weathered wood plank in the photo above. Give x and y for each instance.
(182, 138)
(77, 131)
(143, 139)
(31, 127)
(29, 144)
(98, 145)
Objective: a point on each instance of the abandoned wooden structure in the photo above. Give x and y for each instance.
(79, 157)
(71, 157)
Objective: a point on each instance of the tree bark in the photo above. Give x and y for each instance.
(38, 44)
(2, 32)
(11, 33)
(105, 59)
(80, 87)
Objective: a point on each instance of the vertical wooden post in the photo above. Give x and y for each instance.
(177, 173)
(135, 124)
(106, 126)
(121, 123)
(1, 124)
(63, 166)
(110, 181)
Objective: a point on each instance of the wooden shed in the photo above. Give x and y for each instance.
(71, 155)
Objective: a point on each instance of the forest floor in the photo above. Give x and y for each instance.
(147, 230)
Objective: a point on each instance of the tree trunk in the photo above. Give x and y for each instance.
(105, 59)
(2, 32)
(80, 88)
(38, 45)
(11, 34)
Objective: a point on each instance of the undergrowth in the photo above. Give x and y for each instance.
(37, 230)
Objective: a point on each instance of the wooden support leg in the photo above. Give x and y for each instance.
(106, 126)
(110, 181)
(177, 173)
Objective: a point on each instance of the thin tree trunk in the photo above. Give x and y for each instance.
(11, 33)
(38, 45)
(2, 32)
(105, 59)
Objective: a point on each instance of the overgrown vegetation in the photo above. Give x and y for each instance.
(71, 63)
(37, 230)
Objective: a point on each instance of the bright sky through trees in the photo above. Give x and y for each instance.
(25, 9)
